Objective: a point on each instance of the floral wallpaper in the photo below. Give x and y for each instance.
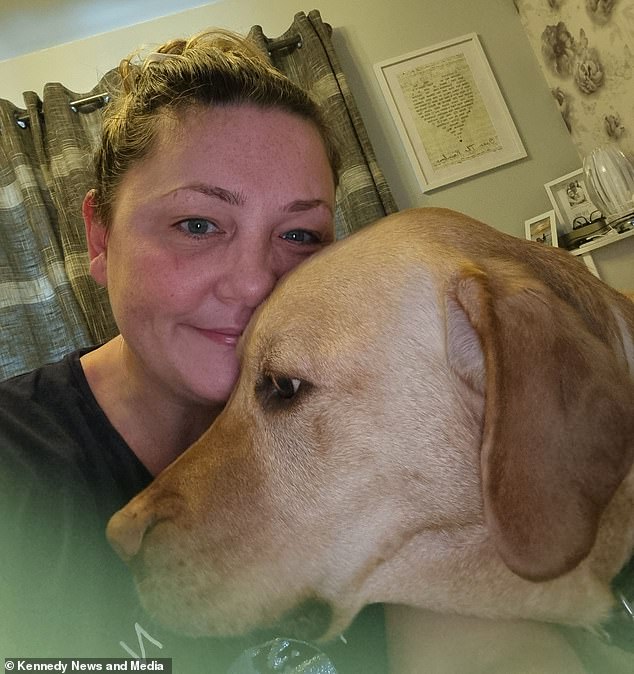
(583, 47)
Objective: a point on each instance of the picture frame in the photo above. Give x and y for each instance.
(569, 198)
(542, 229)
(449, 111)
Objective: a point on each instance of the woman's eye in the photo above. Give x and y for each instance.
(197, 226)
(302, 236)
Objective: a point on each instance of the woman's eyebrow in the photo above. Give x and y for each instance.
(238, 198)
(306, 205)
(215, 192)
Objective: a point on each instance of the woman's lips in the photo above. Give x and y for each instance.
(223, 336)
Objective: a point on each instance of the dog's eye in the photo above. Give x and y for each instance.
(285, 387)
(277, 392)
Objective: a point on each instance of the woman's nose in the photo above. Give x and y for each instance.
(248, 276)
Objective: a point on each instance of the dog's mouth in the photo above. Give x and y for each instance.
(308, 621)
(171, 601)
(195, 591)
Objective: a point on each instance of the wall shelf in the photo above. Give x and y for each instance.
(605, 240)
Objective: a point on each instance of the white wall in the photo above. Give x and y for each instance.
(32, 25)
(366, 33)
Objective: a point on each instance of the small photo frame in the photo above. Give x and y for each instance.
(449, 111)
(542, 229)
(570, 200)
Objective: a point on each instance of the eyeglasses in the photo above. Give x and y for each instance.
(582, 221)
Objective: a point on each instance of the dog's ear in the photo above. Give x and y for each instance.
(558, 430)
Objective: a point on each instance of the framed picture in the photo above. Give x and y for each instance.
(449, 111)
(542, 228)
(570, 199)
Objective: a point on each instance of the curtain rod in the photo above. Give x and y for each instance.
(276, 44)
(97, 100)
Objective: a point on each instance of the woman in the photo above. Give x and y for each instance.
(215, 176)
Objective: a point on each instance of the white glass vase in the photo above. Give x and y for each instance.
(609, 178)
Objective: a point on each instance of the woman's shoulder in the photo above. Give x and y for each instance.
(52, 428)
(48, 405)
(39, 381)
(42, 386)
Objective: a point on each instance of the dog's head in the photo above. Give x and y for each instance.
(427, 398)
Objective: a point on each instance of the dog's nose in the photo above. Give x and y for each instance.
(126, 529)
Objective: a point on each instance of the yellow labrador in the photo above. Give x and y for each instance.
(430, 414)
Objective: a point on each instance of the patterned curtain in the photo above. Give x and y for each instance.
(49, 304)
(309, 59)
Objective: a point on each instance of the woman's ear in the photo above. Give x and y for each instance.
(96, 239)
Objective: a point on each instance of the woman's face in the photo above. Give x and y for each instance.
(229, 200)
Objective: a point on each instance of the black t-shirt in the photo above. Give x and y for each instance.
(64, 470)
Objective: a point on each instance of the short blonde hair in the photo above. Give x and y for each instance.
(213, 68)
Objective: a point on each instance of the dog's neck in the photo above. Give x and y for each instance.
(581, 597)
(578, 598)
